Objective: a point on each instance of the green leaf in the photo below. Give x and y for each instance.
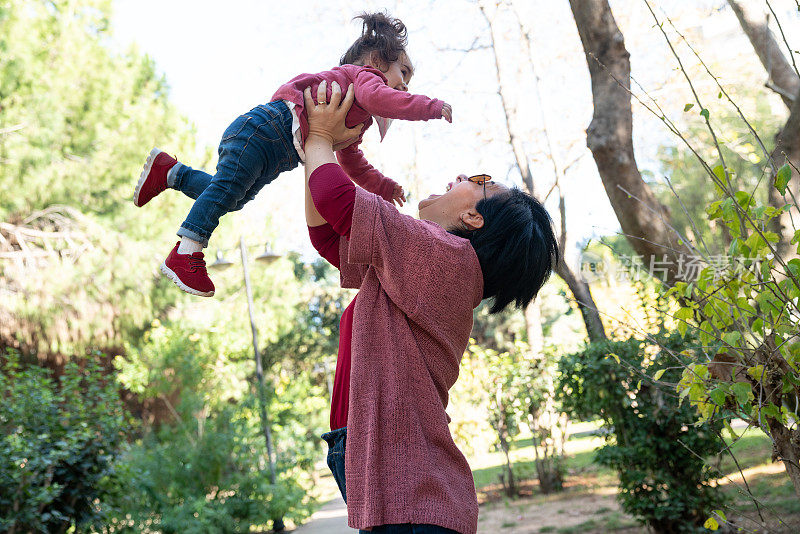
(742, 391)
(793, 266)
(612, 355)
(684, 314)
(719, 172)
(688, 106)
(756, 371)
(718, 395)
(782, 178)
(731, 338)
(659, 374)
(742, 198)
(704, 113)
(721, 514)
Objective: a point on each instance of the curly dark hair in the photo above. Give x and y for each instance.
(380, 33)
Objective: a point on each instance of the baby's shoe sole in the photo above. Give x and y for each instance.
(145, 171)
(169, 273)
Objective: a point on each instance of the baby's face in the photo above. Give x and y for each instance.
(399, 73)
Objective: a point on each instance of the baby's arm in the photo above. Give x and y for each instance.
(379, 99)
(361, 172)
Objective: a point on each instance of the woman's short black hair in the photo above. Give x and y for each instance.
(516, 247)
(380, 33)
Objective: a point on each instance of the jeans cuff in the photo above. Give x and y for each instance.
(191, 234)
(173, 175)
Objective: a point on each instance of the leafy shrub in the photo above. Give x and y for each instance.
(652, 440)
(58, 442)
(745, 312)
(204, 474)
(204, 468)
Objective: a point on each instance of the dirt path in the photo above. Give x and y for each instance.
(330, 519)
(585, 511)
(524, 516)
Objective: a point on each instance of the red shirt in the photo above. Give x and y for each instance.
(326, 241)
(341, 380)
(338, 207)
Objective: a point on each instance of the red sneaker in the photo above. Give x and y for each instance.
(188, 271)
(153, 179)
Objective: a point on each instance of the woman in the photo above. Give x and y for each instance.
(418, 281)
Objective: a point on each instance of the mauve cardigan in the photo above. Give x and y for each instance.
(418, 285)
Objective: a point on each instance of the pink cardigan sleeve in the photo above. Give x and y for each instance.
(379, 99)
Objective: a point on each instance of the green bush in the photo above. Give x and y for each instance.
(207, 473)
(205, 467)
(652, 440)
(58, 442)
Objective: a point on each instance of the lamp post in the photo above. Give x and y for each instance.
(221, 263)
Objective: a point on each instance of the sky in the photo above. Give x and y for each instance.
(221, 59)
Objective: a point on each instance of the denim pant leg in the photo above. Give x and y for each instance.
(254, 150)
(336, 445)
(191, 182)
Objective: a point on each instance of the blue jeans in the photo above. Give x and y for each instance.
(336, 446)
(408, 528)
(254, 150)
(336, 442)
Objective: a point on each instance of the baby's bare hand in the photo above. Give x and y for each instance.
(447, 112)
(398, 195)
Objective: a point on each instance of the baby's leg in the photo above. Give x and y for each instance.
(254, 150)
(191, 182)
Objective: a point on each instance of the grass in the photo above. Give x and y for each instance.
(752, 449)
(580, 453)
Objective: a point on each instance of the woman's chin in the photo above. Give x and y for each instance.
(424, 203)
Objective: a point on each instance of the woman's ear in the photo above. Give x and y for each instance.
(472, 219)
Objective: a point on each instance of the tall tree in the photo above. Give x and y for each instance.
(578, 287)
(784, 79)
(644, 220)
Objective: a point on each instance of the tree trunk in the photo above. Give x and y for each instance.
(786, 81)
(787, 449)
(787, 148)
(533, 325)
(583, 296)
(779, 70)
(521, 160)
(644, 221)
(507, 478)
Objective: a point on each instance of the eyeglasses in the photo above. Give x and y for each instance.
(481, 179)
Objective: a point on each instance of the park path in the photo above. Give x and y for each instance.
(330, 519)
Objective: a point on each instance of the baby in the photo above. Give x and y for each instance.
(269, 139)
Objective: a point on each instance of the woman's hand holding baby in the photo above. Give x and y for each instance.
(326, 119)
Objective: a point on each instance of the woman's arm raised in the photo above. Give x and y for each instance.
(326, 128)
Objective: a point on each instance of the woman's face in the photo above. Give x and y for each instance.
(456, 207)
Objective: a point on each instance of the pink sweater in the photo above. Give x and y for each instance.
(372, 97)
(418, 286)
